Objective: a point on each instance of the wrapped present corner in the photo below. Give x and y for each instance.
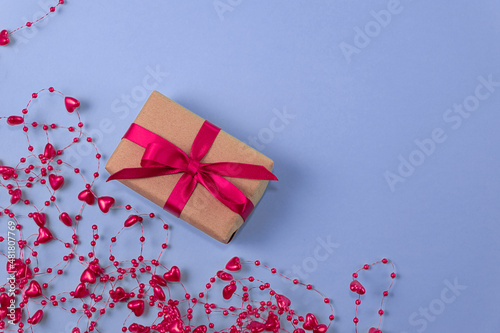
(190, 167)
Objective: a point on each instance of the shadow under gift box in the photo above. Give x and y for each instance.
(180, 126)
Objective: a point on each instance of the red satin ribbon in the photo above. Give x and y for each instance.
(164, 158)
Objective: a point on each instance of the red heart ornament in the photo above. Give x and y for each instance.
(224, 276)
(357, 287)
(119, 294)
(88, 276)
(310, 322)
(374, 330)
(173, 275)
(66, 219)
(35, 319)
(56, 181)
(5, 300)
(200, 329)
(131, 220)
(87, 196)
(105, 203)
(283, 302)
(299, 330)
(137, 307)
(44, 235)
(81, 291)
(71, 104)
(233, 264)
(49, 151)
(136, 328)
(272, 323)
(34, 290)
(16, 196)
(256, 327)
(75, 330)
(6, 171)
(175, 326)
(4, 37)
(228, 291)
(322, 328)
(15, 120)
(39, 219)
(156, 279)
(159, 293)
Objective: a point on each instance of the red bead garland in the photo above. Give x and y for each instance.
(104, 283)
(4, 34)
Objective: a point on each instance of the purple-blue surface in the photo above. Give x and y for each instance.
(382, 118)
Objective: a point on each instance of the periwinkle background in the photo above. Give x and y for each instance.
(353, 117)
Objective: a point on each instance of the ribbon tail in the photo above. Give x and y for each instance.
(180, 194)
(136, 173)
(239, 170)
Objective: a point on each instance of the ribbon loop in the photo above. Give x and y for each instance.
(161, 157)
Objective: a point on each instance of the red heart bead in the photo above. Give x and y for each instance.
(156, 279)
(200, 329)
(35, 319)
(256, 327)
(71, 104)
(15, 120)
(88, 276)
(44, 235)
(320, 329)
(224, 276)
(357, 287)
(39, 219)
(131, 220)
(136, 328)
(374, 330)
(66, 219)
(299, 330)
(4, 37)
(34, 290)
(272, 322)
(118, 294)
(5, 300)
(228, 291)
(173, 275)
(49, 151)
(81, 291)
(233, 264)
(159, 293)
(6, 171)
(176, 326)
(283, 302)
(87, 196)
(75, 330)
(310, 322)
(56, 181)
(105, 203)
(137, 307)
(16, 196)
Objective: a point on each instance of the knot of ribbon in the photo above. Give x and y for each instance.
(161, 157)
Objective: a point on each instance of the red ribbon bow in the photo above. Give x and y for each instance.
(164, 158)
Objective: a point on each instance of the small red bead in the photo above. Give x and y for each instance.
(393, 275)
(366, 266)
(385, 261)
(386, 293)
(29, 24)
(380, 312)
(52, 9)
(34, 95)
(51, 89)
(355, 320)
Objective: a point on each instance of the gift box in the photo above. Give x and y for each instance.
(191, 168)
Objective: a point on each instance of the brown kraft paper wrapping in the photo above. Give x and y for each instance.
(180, 126)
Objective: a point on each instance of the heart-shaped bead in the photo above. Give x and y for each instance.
(159, 293)
(35, 319)
(322, 328)
(374, 330)
(299, 330)
(66, 219)
(283, 302)
(200, 329)
(16, 196)
(118, 295)
(75, 330)
(5, 300)
(81, 291)
(44, 235)
(233, 264)
(137, 307)
(357, 287)
(94, 267)
(39, 219)
(34, 290)
(156, 279)
(15, 120)
(228, 291)
(49, 152)
(272, 323)
(6, 171)
(310, 322)
(71, 104)
(88, 276)
(136, 328)
(4, 37)
(86, 196)
(173, 275)
(224, 276)
(105, 203)
(131, 220)
(256, 327)
(176, 326)
(56, 181)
